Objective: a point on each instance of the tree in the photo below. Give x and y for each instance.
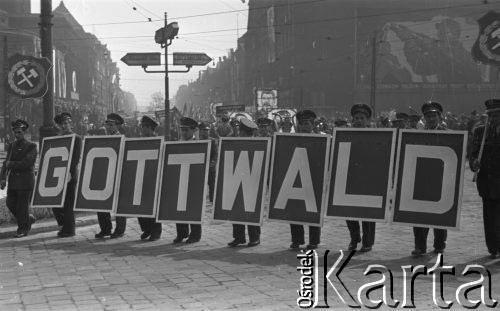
(157, 101)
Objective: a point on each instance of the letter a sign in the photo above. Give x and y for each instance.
(101, 163)
(429, 178)
(53, 171)
(299, 178)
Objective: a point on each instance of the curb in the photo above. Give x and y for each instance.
(47, 226)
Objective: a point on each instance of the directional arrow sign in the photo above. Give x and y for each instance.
(142, 59)
(191, 59)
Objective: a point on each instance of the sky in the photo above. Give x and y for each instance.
(214, 33)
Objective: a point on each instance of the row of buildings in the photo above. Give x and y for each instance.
(86, 80)
(328, 54)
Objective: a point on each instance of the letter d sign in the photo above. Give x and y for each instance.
(430, 169)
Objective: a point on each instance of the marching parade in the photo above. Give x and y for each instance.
(312, 156)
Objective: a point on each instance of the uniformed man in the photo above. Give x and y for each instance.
(149, 227)
(66, 215)
(247, 129)
(401, 121)
(188, 127)
(18, 171)
(234, 123)
(305, 124)
(432, 115)
(265, 127)
(413, 121)
(204, 134)
(361, 116)
(112, 124)
(488, 174)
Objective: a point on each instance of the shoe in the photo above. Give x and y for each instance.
(191, 240)
(178, 240)
(417, 252)
(235, 243)
(21, 234)
(154, 238)
(352, 246)
(145, 235)
(295, 245)
(365, 249)
(438, 250)
(494, 255)
(253, 243)
(115, 235)
(63, 234)
(31, 221)
(102, 235)
(312, 246)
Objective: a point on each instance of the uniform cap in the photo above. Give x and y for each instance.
(340, 122)
(247, 125)
(492, 105)
(264, 121)
(204, 126)
(149, 122)
(188, 122)
(431, 106)
(361, 108)
(414, 117)
(115, 118)
(401, 116)
(304, 115)
(19, 124)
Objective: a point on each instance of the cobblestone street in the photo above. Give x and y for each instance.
(43, 272)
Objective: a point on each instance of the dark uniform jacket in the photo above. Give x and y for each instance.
(22, 156)
(488, 179)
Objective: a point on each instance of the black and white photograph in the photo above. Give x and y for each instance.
(249, 155)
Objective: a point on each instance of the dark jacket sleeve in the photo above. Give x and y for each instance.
(477, 137)
(3, 172)
(28, 162)
(75, 159)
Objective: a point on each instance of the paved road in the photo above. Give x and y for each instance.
(43, 272)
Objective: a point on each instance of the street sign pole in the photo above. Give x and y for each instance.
(167, 100)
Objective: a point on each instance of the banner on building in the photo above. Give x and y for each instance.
(429, 178)
(299, 177)
(485, 49)
(183, 183)
(361, 173)
(241, 181)
(140, 177)
(100, 169)
(53, 171)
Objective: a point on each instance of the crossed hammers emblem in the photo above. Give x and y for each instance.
(26, 78)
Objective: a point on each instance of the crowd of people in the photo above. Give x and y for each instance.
(484, 158)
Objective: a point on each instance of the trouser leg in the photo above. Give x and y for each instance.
(489, 225)
(239, 233)
(368, 233)
(253, 233)
(182, 230)
(314, 235)
(420, 238)
(354, 231)
(121, 224)
(105, 223)
(155, 228)
(58, 213)
(68, 213)
(195, 233)
(297, 234)
(440, 236)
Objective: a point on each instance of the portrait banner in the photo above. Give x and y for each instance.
(429, 178)
(266, 99)
(240, 185)
(140, 177)
(53, 171)
(361, 173)
(299, 174)
(100, 168)
(183, 186)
